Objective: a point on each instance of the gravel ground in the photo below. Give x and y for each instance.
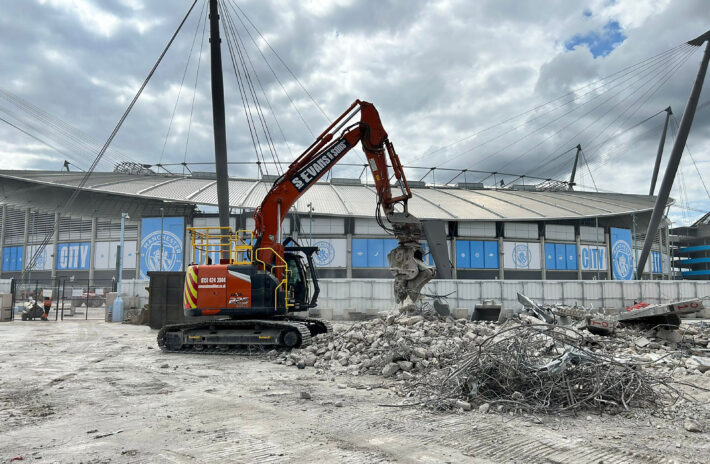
(88, 391)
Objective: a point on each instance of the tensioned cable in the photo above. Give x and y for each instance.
(182, 82)
(687, 148)
(258, 80)
(70, 136)
(658, 84)
(282, 61)
(639, 104)
(245, 101)
(599, 144)
(571, 139)
(241, 51)
(601, 161)
(629, 81)
(68, 204)
(623, 72)
(194, 94)
(581, 152)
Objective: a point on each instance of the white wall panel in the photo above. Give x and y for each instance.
(559, 232)
(105, 255)
(591, 234)
(334, 226)
(477, 229)
(520, 230)
(366, 226)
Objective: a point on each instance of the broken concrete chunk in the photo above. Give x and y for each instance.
(305, 395)
(642, 342)
(692, 426)
(463, 405)
(484, 408)
(390, 369)
(405, 365)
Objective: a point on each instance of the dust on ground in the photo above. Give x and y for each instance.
(89, 391)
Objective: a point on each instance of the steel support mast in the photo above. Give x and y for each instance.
(659, 155)
(574, 168)
(218, 120)
(683, 130)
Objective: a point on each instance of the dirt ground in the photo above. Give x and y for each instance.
(89, 391)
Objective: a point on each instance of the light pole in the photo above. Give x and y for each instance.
(162, 221)
(117, 312)
(310, 222)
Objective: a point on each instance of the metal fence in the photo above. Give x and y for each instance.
(72, 299)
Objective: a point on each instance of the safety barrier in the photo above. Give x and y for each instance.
(342, 296)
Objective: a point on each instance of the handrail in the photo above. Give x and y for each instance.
(283, 282)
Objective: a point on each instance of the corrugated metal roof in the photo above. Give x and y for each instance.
(359, 200)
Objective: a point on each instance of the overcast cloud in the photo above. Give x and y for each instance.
(439, 72)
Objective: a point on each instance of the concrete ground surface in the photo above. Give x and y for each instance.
(93, 392)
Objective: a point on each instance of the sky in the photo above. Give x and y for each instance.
(502, 85)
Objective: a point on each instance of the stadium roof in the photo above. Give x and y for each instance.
(339, 197)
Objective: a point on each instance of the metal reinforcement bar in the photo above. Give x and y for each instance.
(678, 147)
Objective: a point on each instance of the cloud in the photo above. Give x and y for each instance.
(449, 78)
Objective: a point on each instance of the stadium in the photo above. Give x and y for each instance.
(524, 232)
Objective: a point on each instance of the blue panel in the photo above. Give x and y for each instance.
(571, 256)
(6, 258)
(550, 261)
(13, 258)
(20, 250)
(695, 273)
(173, 232)
(491, 251)
(561, 256)
(359, 252)
(463, 254)
(656, 263)
(73, 255)
(375, 252)
(478, 257)
(694, 248)
(621, 257)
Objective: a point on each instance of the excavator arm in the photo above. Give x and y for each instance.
(406, 261)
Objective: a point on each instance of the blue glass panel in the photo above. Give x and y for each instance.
(478, 255)
(571, 256)
(561, 256)
(359, 252)
(550, 262)
(375, 252)
(491, 251)
(463, 254)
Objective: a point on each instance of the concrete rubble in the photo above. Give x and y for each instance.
(418, 353)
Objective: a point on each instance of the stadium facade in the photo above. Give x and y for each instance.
(516, 233)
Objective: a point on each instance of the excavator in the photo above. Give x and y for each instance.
(254, 295)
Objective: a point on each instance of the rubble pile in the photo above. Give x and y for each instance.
(542, 368)
(522, 365)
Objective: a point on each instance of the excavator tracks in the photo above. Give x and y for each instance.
(235, 336)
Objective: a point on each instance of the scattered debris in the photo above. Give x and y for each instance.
(524, 365)
(305, 395)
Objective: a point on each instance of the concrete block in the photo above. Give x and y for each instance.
(460, 313)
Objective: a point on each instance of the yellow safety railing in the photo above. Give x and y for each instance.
(284, 281)
(240, 244)
(208, 241)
